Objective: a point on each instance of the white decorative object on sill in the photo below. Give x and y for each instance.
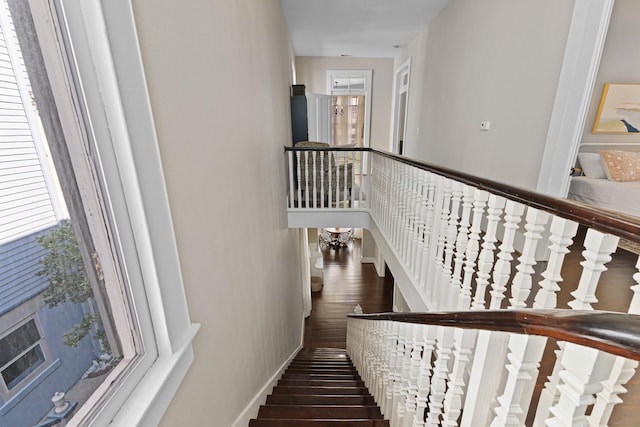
(59, 403)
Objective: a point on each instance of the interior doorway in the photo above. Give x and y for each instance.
(401, 100)
(347, 120)
(350, 92)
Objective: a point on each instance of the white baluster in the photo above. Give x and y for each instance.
(440, 374)
(417, 346)
(314, 189)
(390, 383)
(526, 352)
(562, 233)
(583, 370)
(623, 370)
(598, 250)
(400, 397)
(462, 240)
(463, 343)
(480, 198)
(299, 178)
(425, 269)
(292, 186)
(502, 270)
(442, 276)
(485, 260)
(521, 288)
(452, 291)
(428, 335)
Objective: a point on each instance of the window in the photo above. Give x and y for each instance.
(124, 227)
(20, 354)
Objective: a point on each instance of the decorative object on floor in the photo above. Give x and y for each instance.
(337, 237)
(619, 110)
(316, 284)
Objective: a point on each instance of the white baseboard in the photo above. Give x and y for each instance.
(251, 410)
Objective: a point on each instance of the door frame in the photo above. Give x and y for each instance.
(585, 43)
(399, 88)
(368, 76)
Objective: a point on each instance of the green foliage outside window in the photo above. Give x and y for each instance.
(68, 280)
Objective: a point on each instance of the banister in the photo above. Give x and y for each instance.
(615, 333)
(621, 225)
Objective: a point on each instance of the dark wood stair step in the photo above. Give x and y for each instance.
(319, 399)
(327, 365)
(320, 390)
(319, 412)
(321, 370)
(320, 383)
(313, 362)
(318, 423)
(320, 376)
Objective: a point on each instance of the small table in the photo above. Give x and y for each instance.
(336, 237)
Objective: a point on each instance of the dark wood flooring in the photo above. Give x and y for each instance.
(347, 282)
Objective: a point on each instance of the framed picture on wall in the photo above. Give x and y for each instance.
(619, 110)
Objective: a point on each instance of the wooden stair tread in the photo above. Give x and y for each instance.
(319, 411)
(321, 382)
(319, 399)
(320, 376)
(320, 390)
(318, 423)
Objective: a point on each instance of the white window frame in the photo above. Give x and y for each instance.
(113, 90)
(20, 316)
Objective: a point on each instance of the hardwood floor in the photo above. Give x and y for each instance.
(347, 282)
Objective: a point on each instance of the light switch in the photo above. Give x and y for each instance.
(485, 125)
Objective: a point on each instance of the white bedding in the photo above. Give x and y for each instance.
(621, 197)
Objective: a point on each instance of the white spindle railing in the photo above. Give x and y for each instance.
(466, 246)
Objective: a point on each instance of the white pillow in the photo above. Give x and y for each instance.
(591, 164)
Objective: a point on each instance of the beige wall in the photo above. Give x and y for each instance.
(620, 63)
(219, 75)
(312, 72)
(496, 60)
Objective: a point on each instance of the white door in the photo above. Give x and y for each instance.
(319, 117)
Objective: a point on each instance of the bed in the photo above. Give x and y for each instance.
(610, 180)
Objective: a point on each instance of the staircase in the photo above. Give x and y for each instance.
(320, 388)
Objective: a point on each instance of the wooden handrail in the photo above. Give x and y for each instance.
(610, 222)
(615, 333)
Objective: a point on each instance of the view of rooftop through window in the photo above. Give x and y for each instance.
(58, 339)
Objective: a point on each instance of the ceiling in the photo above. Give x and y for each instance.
(361, 28)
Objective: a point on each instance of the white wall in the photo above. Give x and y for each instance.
(496, 60)
(620, 63)
(219, 75)
(312, 72)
